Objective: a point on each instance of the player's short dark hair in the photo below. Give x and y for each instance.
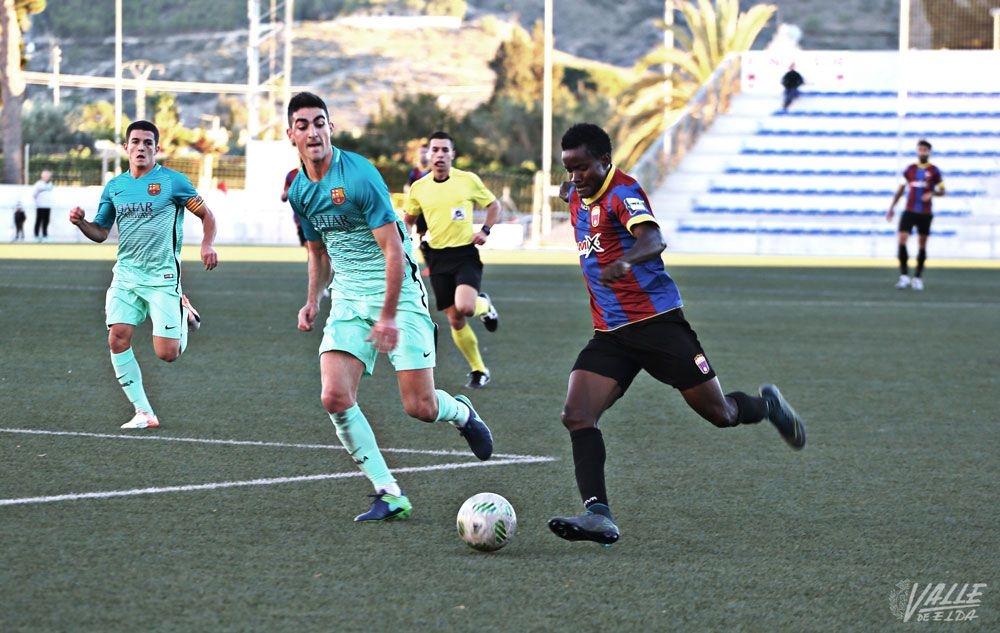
(591, 136)
(145, 126)
(441, 135)
(924, 143)
(305, 100)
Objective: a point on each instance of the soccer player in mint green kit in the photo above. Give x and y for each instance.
(378, 302)
(147, 202)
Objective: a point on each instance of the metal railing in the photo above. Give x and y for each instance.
(708, 102)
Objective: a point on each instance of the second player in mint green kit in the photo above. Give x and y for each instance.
(147, 203)
(378, 302)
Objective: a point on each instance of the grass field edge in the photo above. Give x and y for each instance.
(527, 256)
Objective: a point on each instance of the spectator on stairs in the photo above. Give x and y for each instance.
(791, 81)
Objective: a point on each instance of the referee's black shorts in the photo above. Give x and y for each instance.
(664, 346)
(451, 268)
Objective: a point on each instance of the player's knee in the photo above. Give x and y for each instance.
(424, 409)
(721, 416)
(169, 354)
(118, 342)
(575, 419)
(334, 401)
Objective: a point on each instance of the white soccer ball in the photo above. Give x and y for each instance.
(486, 522)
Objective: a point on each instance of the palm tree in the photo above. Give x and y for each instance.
(15, 19)
(712, 31)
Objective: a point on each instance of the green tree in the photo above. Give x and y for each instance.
(233, 115)
(96, 119)
(960, 25)
(404, 119)
(519, 65)
(711, 31)
(446, 7)
(15, 20)
(46, 128)
(173, 135)
(512, 63)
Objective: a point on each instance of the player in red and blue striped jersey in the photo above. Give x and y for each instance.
(924, 181)
(639, 325)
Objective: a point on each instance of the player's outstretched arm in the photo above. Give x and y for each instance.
(77, 216)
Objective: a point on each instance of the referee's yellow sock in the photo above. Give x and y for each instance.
(482, 307)
(467, 343)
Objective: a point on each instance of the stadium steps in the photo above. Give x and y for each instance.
(818, 179)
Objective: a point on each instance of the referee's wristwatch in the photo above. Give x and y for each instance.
(486, 229)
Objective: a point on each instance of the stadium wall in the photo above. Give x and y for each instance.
(243, 217)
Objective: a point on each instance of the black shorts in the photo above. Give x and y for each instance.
(911, 219)
(451, 268)
(665, 346)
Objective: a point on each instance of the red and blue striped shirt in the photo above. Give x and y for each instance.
(602, 226)
(921, 178)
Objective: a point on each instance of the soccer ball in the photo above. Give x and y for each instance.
(486, 522)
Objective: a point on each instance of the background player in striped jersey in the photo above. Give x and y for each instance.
(639, 325)
(147, 202)
(924, 181)
(378, 302)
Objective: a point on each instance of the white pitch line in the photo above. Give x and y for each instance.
(198, 440)
(108, 494)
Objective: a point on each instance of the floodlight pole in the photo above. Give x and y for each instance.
(995, 13)
(547, 122)
(904, 25)
(253, 68)
(118, 81)
(668, 75)
(286, 66)
(56, 57)
(901, 87)
(141, 69)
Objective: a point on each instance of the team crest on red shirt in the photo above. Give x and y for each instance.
(595, 215)
(153, 189)
(337, 195)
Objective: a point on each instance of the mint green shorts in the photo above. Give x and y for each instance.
(351, 321)
(132, 303)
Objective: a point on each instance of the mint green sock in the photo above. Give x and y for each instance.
(451, 410)
(357, 437)
(130, 378)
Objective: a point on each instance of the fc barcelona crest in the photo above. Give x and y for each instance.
(153, 189)
(595, 215)
(337, 195)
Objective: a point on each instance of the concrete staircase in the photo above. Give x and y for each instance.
(818, 179)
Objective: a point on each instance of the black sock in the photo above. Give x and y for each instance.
(750, 409)
(921, 258)
(588, 458)
(904, 256)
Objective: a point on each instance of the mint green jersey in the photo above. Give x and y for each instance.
(342, 209)
(149, 212)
